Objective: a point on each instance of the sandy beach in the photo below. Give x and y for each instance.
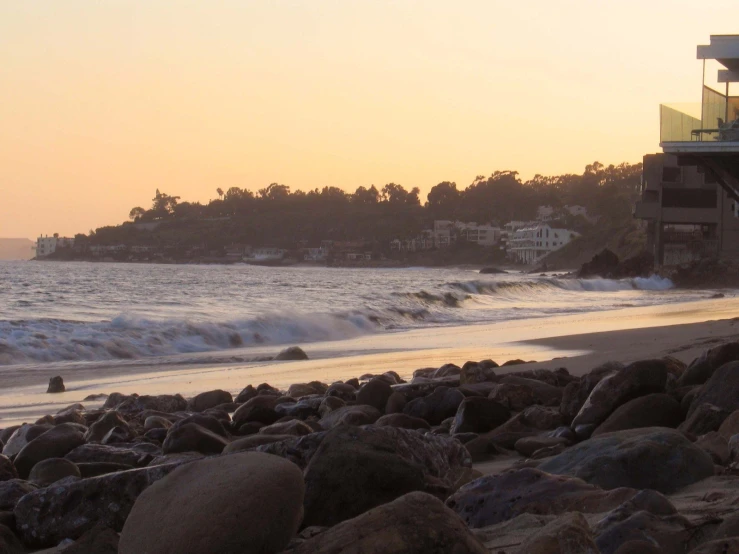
(578, 342)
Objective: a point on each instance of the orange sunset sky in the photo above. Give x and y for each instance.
(102, 102)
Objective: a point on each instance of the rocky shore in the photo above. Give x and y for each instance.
(637, 458)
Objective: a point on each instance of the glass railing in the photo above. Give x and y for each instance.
(681, 123)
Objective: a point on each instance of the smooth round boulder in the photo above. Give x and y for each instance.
(244, 503)
(55, 443)
(52, 470)
(375, 393)
(652, 410)
(210, 399)
(292, 353)
(191, 437)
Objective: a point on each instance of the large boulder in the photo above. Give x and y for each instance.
(56, 385)
(651, 458)
(55, 443)
(604, 264)
(67, 510)
(191, 437)
(720, 389)
(701, 369)
(242, 503)
(211, 399)
(496, 498)
(350, 415)
(356, 469)
(292, 353)
(652, 410)
(479, 415)
(292, 427)
(9, 543)
(416, 523)
(636, 379)
(576, 392)
(704, 419)
(22, 436)
(258, 408)
(7, 469)
(441, 404)
(12, 490)
(543, 392)
(478, 372)
(52, 470)
(402, 420)
(107, 422)
(375, 393)
(568, 534)
(103, 453)
(98, 540)
(166, 403)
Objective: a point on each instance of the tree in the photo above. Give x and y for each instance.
(443, 199)
(275, 192)
(366, 195)
(136, 213)
(219, 190)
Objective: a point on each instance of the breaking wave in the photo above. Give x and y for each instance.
(538, 286)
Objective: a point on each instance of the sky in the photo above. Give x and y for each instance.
(101, 103)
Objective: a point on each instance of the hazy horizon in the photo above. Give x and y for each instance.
(104, 103)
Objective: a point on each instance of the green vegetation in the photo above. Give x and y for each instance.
(276, 216)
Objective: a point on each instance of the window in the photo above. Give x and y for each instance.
(671, 174)
(688, 198)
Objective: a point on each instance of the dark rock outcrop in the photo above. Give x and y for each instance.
(56, 384)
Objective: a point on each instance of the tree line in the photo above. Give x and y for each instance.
(277, 216)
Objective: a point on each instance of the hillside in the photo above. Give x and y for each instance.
(16, 249)
(625, 241)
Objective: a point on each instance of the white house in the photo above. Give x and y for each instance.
(529, 245)
(47, 245)
(265, 255)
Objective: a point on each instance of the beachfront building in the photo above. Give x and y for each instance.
(46, 245)
(265, 255)
(690, 192)
(550, 213)
(528, 245)
(482, 235)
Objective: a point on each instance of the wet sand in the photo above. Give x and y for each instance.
(578, 342)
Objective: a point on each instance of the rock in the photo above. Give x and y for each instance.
(344, 391)
(259, 408)
(221, 492)
(703, 367)
(56, 384)
(55, 443)
(7, 469)
(166, 403)
(568, 534)
(193, 438)
(402, 420)
(294, 427)
(481, 372)
(479, 415)
(114, 399)
(52, 470)
(306, 408)
(720, 546)
(637, 521)
(22, 436)
(442, 403)
(247, 393)
(513, 396)
(12, 491)
(636, 379)
(720, 389)
(543, 393)
(350, 415)
(652, 410)
(6, 433)
(47, 516)
(9, 543)
(105, 424)
(416, 523)
(527, 446)
(395, 403)
(98, 540)
(103, 453)
(292, 353)
(375, 393)
(71, 414)
(704, 419)
(178, 458)
(329, 404)
(253, 441)
(210, 399)
(576, 393)
(493, 270)
(604, 264)
(716, 446)
(208, 422)
(356, 469)
(156, 422)
(729, 527)
(94, 469)
(298, 390)
(496, 498)
(651, 458)
(95, 397)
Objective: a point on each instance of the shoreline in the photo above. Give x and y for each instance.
(578, 342)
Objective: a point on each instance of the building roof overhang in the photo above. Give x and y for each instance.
(701, 147)
(724, 49)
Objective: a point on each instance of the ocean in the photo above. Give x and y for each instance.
(70, 313)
